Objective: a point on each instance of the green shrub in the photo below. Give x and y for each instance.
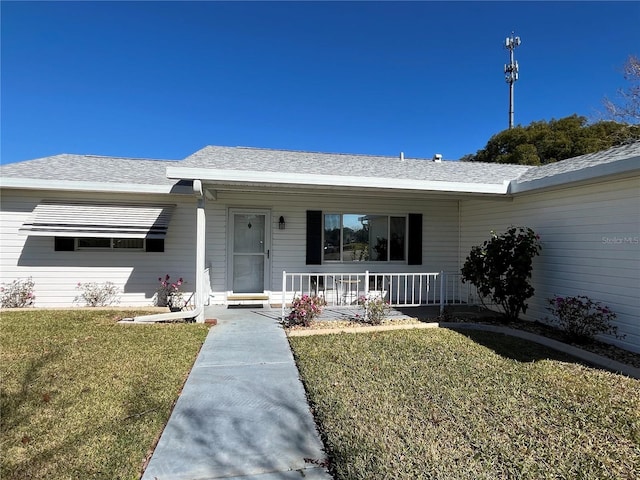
(501, 269)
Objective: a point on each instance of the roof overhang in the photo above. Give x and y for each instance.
(621, 168)
(180, 188)
(332, 182)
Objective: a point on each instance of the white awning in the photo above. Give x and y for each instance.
(86, 219)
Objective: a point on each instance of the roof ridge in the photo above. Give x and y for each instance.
(116, 157)
(315, 152)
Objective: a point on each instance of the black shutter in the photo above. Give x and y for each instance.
(314, 237)
(414, 255)
(64, 244)
(154, 245)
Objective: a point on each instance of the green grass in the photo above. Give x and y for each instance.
(437, 404)
(83, 397)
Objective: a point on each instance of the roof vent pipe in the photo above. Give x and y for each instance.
(402, 156)
(437, 157)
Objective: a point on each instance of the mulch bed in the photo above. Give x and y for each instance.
(539, 328)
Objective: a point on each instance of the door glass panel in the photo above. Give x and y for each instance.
(248, 273)
(248, 235)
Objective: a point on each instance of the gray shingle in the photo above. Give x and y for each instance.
(313, 163)
(92, 168)
(582, 162)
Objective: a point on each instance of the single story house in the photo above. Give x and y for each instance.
(231, 220)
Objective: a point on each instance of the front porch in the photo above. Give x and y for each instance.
(342, 291)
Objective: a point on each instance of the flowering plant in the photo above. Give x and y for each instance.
(169, 294)
(304, 309)
(18, 293)
(97, 295)
(581, 316)
(375, 308)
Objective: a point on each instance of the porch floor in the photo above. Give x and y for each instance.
(345, 313)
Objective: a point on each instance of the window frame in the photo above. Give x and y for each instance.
(59, 246)
(388, 260)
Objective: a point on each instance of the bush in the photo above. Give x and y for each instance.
(582, 317)
(375, 309)
(501, 269)
(17, 294)
(97, 295)
(305, 309)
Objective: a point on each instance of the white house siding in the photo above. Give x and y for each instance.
(56, 274)
(288, 248)
(591, 245)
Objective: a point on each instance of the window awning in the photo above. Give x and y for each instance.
(87, 219)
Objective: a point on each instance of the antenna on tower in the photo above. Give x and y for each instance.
(511, 71)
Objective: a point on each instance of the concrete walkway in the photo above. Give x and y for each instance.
(243, 412)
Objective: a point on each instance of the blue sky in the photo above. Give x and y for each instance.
(163, 79)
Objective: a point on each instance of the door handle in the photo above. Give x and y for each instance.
(268, 253)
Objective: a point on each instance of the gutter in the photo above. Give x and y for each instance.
(75, 186)
(592, 173)
(282, 179)
(163, 317)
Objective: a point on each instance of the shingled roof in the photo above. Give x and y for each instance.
(340, 164)
(92, 168)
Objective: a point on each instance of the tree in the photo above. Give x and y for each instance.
(545, 142)
(626, 108)
(501, 268)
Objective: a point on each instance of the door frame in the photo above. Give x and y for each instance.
(231, 211)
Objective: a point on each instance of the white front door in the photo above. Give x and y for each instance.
(249, 240)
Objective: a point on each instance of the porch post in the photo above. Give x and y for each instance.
(200, 250)
(443, 296)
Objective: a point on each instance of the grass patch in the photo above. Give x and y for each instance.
(437, 404)
(84, 397)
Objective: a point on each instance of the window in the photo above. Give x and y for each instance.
(352, 237)
(99, 243)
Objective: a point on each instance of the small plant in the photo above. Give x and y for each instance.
(97, 295)
(169, 294)
(375, 309)
(305, 309)
(501, 268)
(581, 317)
(17, 294)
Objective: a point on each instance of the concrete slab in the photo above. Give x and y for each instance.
(243, 411)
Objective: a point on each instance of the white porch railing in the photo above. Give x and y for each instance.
(399, 289)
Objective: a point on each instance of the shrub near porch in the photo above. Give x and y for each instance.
(438, 404)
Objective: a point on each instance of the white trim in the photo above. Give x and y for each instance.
(288, 179)
(79, 186)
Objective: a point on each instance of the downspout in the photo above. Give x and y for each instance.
(200, 251)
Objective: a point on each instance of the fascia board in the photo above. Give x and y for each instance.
(330, 181)
(596, 172)
(68, 185)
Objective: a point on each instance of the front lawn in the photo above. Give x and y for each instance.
(84, 397)
(438, 404)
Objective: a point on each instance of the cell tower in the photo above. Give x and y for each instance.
(511, 71)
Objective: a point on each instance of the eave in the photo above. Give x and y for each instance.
(331, 182)
(180, 188)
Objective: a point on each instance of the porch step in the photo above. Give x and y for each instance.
(248, 299)
(247, 296)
